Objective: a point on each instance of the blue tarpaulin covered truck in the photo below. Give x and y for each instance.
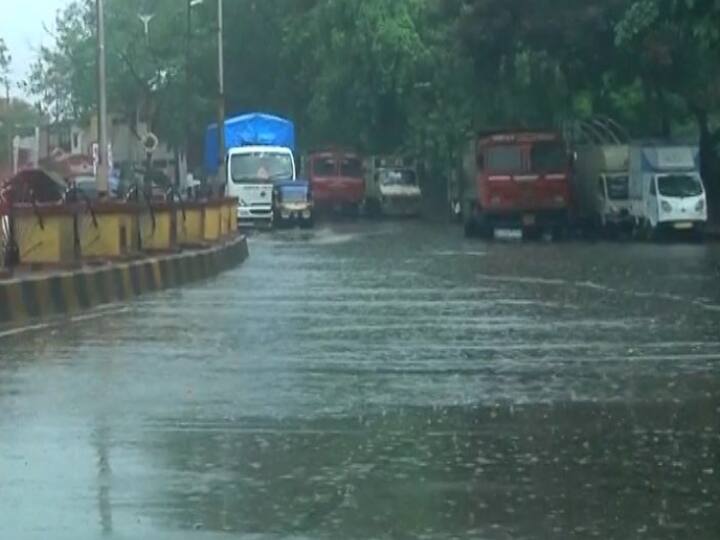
(260, 160)
(254, 129)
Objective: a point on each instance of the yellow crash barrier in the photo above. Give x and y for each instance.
(112, 233)
(212, 220)
(224, 218)
(45, 234)
(234, 202)
(156, 227)
(191, 229)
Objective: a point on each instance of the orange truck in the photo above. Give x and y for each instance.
(337, 180)
(518, 180)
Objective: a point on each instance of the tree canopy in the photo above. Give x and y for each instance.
(399, 75)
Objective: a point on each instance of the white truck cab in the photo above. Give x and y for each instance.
(392, 187)
(666, 189)
(251, 173)
(602, 187)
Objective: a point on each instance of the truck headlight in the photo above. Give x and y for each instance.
(666, 207)
(700, 206)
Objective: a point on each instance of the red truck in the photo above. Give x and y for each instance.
(337, 180)
(516, 180)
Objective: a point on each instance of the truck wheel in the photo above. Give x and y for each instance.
(647, 232)
(470, 227)
(487, 230)
(559, 233)
(373, 208)
(532, 234)
(307, 223)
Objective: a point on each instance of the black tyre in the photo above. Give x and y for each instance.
(470, 227)
(559, 233)
(373, 208)
(352, 211)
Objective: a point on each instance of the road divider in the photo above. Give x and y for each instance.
(70, 234)
(37, 296)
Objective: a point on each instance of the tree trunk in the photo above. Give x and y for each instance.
(709, 160)
(665, 125)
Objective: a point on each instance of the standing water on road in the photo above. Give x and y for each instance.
(382, 381)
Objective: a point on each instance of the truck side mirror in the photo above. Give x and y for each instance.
(480, 161)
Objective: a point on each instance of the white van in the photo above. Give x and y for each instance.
(666, 189)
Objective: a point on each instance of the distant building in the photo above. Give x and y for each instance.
(74, 145)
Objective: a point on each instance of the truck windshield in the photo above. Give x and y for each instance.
(618, 187)
(504, 159)
(351, 168)
(398, 177)
(325, 167)
(260, 167)
(679, 185)
(548, 157)
(293, 194)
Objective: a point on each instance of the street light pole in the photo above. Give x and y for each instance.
(188, 87)
(102, 171)
(221, 98)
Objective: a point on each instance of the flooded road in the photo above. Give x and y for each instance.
(386, 380)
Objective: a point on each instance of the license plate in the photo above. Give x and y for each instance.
(683, 226)
(528, 220)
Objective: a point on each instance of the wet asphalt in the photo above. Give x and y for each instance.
(379, 380)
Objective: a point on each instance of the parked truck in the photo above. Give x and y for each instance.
(337, 181)
(516, 180)
(666, 190)
(392, 187)
(260, 153)
(602, 188)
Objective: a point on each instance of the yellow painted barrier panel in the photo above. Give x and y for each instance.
(156, 233)
(224, 219)
(212, 219)
(181, 231)
(113, 232)
(233, 215)
(194, 225)
(45, 234)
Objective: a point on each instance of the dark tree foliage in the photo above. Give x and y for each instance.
(402, 75)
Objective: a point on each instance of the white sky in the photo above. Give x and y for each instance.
(21, 25)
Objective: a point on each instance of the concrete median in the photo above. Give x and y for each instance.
(37, 296)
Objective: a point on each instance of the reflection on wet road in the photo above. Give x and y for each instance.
(379, 381)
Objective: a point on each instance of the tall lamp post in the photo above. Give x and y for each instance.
(102, 171)
(221, 97)
(221, 83)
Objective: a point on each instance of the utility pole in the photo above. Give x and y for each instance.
(9, 127)
(221, 99)
(102, 172)
(188, 83)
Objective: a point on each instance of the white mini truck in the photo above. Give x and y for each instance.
(666, 190)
